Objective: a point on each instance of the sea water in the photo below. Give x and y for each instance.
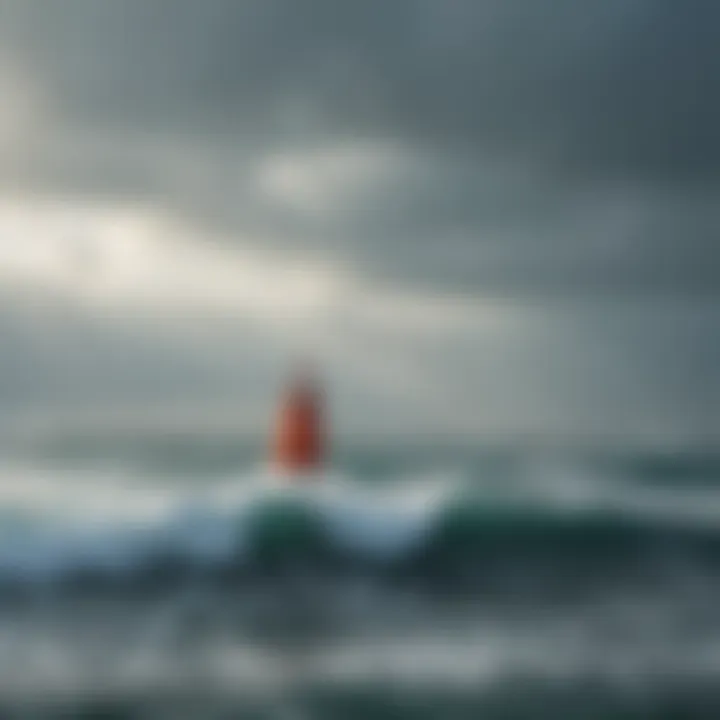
(178, 578)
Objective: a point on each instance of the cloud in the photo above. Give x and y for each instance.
(535, 148)
(142, 260)
(462, 203)
(125, 304)
(616, 86)
(20, 113)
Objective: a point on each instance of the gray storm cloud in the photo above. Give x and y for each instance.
(554, 153)
(618, 87)
(527, 133)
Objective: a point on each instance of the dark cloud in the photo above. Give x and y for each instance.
(612, 87)
(534, 146)
(541, 149)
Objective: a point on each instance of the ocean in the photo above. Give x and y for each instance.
(177, 578)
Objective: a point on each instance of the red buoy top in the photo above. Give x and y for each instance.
(297, 442)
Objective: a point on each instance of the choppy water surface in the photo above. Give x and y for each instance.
(185, 582)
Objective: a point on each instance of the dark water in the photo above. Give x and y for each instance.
(174, 579)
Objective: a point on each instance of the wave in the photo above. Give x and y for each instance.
(556, 528)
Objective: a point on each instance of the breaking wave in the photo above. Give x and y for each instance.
(553, 527)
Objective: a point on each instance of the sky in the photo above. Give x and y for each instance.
(476, 216)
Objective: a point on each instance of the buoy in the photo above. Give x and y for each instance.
(298, 435)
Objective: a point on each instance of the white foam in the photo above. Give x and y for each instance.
(52, 521)
(57, 521)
